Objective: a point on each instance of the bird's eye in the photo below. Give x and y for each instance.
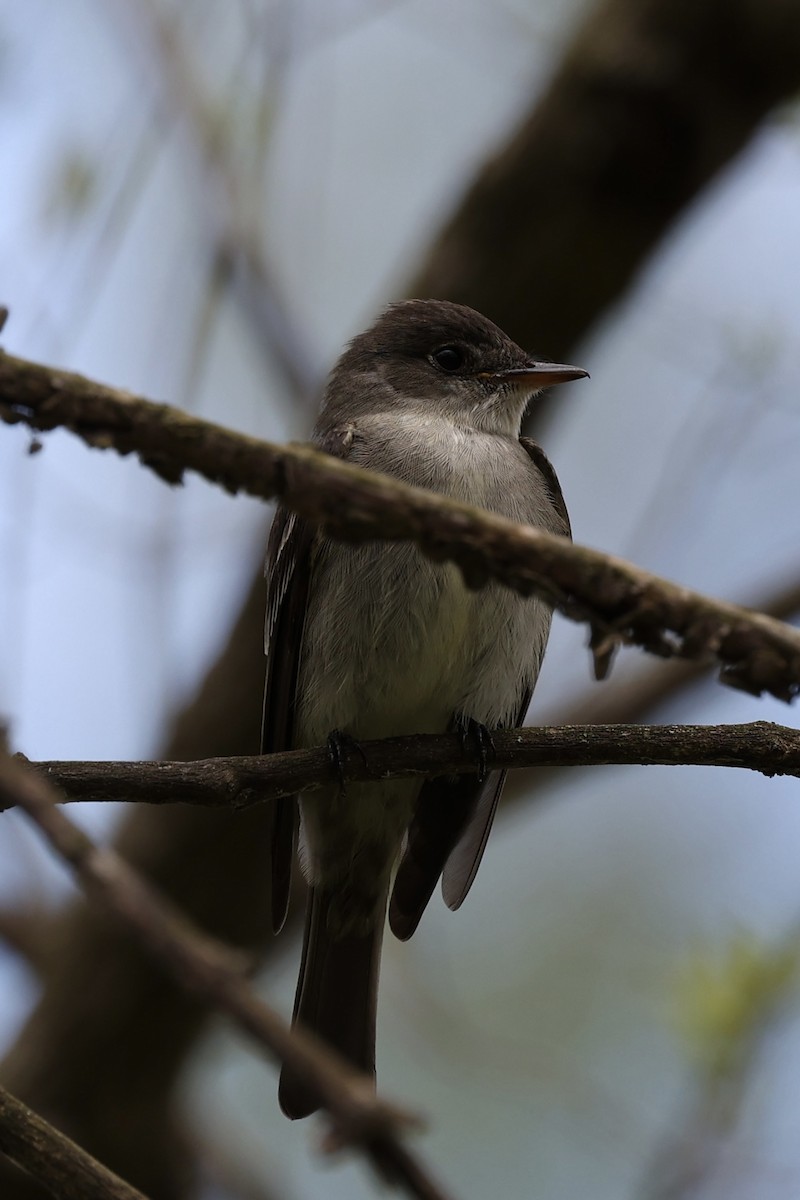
(448, 358)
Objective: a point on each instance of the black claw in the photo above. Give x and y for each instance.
(473, 735)
(339, 745)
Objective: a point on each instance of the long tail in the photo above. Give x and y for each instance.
(337, 995)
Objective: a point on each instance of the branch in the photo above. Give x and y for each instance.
(626, 701)
(211, 863)
(215, 974)
(63, 1168)
(238, 782)
(621, 602)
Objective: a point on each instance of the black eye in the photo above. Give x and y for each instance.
(448, 358)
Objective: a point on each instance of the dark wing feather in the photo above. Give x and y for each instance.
(290, 554)
(463, 861)
(540, 460)
(454, 815)
(288, 577)
(442, 813)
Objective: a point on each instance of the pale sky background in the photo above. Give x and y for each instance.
(539, 1026)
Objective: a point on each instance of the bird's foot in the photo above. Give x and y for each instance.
(477, 737)
(339, 746)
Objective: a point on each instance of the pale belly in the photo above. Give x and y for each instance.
(395, 644)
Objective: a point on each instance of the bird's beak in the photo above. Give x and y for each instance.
(537, 374)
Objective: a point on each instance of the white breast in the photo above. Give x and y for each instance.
(395, 643)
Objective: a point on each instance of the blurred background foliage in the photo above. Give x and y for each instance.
(202, 201)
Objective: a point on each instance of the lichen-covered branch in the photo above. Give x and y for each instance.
(621, 602)
(240, 781)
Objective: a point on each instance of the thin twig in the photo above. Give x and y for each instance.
(621, 602)
(237, 782)
(236, 242)
(64, 1169)
(216, 975)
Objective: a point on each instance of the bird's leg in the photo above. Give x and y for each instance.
(340, 744)
(473, 735)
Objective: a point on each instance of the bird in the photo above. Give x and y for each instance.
(373, 640)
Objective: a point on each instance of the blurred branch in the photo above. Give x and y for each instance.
(64, 1169)
(622, 603)
(649, 102)
(28, 931)
(236, 244)
(212, 863)
(215, 974)
(239, 782)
